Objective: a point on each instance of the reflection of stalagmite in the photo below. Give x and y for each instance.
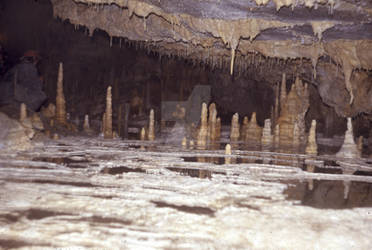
(228, 152)
(348, 150)
(60, 98)
(86, 125)
(203, 130)
(108, 115)
(235, 128)
(267, 137)
(311, 150)
(22, 112)
(151, 133)
(254, 132)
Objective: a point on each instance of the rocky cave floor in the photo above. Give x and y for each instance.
(87, 192)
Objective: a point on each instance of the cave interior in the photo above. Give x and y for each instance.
(150, 65)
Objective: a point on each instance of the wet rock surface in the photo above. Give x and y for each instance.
(89, 192)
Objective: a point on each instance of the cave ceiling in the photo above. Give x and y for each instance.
(226, 34)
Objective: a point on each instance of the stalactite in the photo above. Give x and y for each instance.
(235, 128)
(60, 98)
(267, 137)
(22, 112)
(151, 133)
(108, 121)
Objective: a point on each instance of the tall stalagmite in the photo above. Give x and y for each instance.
(108, 115)
(86, 126)
(60, 98)
(151, 134)
(203, 130)
(228, 152)
(235, 128)
(244, 127)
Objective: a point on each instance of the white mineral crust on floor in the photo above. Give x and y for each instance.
(149, 206)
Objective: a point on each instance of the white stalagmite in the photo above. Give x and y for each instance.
(267, 137)
(235, 128)
(151, 134)
(349, 150)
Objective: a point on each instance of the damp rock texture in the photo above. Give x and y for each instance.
(104, 194)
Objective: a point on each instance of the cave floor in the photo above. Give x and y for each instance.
(93, 193)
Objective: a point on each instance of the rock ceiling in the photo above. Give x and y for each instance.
(225, 33)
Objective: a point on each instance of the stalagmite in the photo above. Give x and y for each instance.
(191, 144)
(235, 128)
(296, 137)
(55, 137)
(60, 98)
(22, 112)
(276, 136)
(218, 128)
(276, 107)
(203, 130)
(108, 117)
(103, 128)
(184, 143)
(244, 127)
(311, 150)
(86, 125)
(212, 122)
(348, 150)
(151, 133)
(143, 134)
(283, 92)
(254, 132)
(228, 152)
(267, 137)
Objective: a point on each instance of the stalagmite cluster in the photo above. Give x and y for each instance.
(107, 120)
(235, 128)
(151, 133)
(292, 115)
(60, 98)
